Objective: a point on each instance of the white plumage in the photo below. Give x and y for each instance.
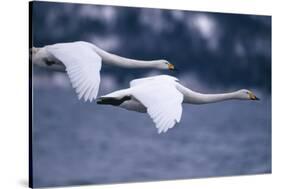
(162, 100)
(82, 61)
(83, 70)
(162, 97)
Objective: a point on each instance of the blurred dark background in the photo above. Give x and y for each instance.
(226, 50)
(75, 142)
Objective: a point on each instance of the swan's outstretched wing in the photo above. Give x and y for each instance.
(83, 66)
(163, 102)
(161, 78)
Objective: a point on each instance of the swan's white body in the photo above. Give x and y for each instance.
(162, 97)
(82, 61)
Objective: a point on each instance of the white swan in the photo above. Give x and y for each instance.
(162, 97)
(82, 62)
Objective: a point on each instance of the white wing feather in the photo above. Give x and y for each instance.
(161, 78)
(83, 66)
(163, 102)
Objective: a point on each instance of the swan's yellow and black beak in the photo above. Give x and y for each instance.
(171, 66)
(253, 97)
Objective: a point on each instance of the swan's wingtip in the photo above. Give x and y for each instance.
(161, 130)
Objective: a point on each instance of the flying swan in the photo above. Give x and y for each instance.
(82, 62)
(162, 97)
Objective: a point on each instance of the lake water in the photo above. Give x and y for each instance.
(78, 143)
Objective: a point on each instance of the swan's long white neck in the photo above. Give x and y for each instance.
(193, 97)
(113, 59)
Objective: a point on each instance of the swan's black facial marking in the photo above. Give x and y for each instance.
(112, 101)
(252, 96)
